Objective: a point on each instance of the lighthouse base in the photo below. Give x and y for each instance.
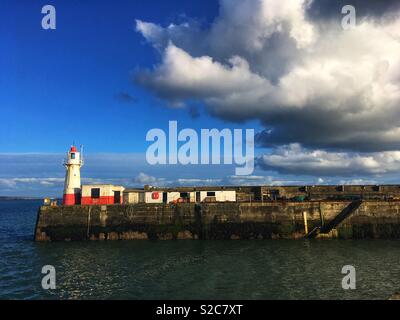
(71, 199)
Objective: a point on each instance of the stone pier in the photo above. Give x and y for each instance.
(243, 220)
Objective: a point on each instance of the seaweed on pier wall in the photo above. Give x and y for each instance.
(345, 231)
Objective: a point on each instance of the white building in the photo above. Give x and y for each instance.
(178, 195)
(217, 196)
(96, 194)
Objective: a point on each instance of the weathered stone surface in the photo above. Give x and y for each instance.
(41, 236)
(268, 220)
(184, 235)
(133, 235)
(395, 296)
(113, 236)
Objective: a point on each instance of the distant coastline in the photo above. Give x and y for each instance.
(19, 198)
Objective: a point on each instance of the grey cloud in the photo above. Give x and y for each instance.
(330, 129)
(125, 97)
(293, 159)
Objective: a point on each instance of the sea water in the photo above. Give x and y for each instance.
(189, 269)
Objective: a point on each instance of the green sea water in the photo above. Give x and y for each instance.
(185, 269)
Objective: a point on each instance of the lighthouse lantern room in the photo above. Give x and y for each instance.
(72, 185)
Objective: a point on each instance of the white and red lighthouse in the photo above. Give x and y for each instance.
(72, 185)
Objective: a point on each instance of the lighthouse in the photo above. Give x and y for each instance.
(72, 185)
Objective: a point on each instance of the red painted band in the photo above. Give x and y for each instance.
(101, 200)
(69, 199)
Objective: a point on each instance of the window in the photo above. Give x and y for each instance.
(184, 195)
(72, 155)
(95, 193)
(210, 193)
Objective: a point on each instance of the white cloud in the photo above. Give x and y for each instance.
(308, 82)
(203, 77)
(358, 182)
(14, 182)
(143, 178)
(196, 182)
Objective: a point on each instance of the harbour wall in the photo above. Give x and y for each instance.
(242, 220)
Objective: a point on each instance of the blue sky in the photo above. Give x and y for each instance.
(62, 85)
(113, 70)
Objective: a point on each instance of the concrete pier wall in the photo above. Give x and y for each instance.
(270, 220)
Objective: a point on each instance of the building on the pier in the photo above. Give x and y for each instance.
(103, 194)
(75, 193)
(133, 196)
(180, 194)
(93, 194)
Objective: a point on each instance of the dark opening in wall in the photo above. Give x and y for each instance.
(95, 193)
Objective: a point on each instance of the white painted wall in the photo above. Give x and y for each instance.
(131, 197)
(148, 198)
(176, 195)
(106, 190)
(72, 181)
(220, 196)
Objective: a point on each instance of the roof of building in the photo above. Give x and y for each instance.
(182, 189)
(101, 185)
